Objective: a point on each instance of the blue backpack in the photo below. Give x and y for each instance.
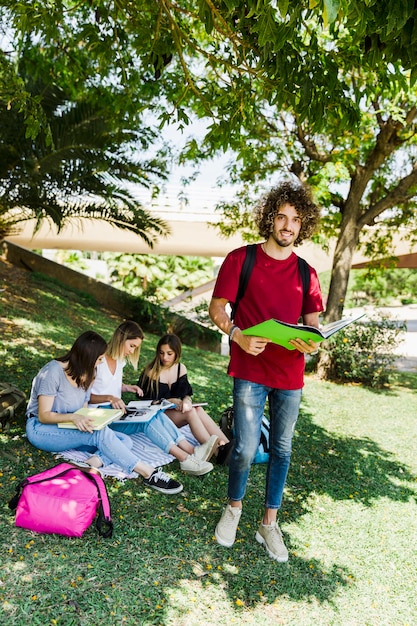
(226, 425)
(262, 454)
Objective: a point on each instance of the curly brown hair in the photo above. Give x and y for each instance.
(300, 197)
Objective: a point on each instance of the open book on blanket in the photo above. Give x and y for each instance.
(144, 410)
(281, 332)
(100, 415)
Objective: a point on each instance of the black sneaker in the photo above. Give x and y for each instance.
(223, 453)
(160, 481)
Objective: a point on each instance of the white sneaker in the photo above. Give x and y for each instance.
(225, 532)
(194, 466)
(271, 538)
(205, 451)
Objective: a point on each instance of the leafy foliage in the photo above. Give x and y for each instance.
(266, 40)
(363, 352)
(157, 277)
(81, 160)
(384, 287)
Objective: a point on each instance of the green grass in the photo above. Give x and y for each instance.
(349, 513)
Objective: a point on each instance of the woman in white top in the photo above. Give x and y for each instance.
(108, 387)
(60, 389)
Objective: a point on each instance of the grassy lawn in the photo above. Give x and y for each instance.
(349, 514)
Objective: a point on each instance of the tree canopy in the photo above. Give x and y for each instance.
(323, 89)
(72, 148)
(157, 52)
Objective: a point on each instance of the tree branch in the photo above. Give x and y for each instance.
(387, 142)
(400, 194)
(310, 148)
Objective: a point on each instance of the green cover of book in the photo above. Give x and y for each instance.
(281, 332)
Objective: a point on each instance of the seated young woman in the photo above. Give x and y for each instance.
(166, 377)
(62, 387)
(124, 346)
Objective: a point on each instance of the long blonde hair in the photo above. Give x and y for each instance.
(125, 331)
(152, 370)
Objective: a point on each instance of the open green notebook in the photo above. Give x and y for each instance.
(281, 332)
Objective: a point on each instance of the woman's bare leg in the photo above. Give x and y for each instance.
(181, 451)
(211, 426)
(186, 445)
(190, 417)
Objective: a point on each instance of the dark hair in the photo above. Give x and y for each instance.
(83, 356)
(153, 370)
(174, 342)
(299, 196)
(125, 331)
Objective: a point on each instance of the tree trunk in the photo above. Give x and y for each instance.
(342, 262)
(346, 245)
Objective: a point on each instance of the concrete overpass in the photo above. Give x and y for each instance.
(191, 234)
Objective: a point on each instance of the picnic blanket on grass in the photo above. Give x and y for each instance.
(143, 447)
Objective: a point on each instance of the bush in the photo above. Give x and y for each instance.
(382, 286)
(363, 352)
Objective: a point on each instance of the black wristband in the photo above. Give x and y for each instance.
(232, 332)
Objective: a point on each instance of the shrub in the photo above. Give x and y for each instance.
(363, 352)
(382, 286)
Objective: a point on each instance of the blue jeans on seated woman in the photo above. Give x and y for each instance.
(50, 438)
(249, 403)
(159, 429)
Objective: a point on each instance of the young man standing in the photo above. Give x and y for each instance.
(261, 369)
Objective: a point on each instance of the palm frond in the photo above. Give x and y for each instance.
(79, 167)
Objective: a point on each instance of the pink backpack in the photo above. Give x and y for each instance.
(64, 500)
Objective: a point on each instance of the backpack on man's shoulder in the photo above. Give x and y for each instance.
(226, 425)
(226, 419)
(11, 398)
(246, 271)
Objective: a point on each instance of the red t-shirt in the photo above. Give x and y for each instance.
(275, 290)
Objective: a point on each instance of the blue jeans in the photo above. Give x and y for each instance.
(249, 403)
(50, 438)
(160, 430)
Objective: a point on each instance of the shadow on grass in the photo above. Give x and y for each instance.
(167, 544)
(344, 467)
(163, 546)
(406, 380)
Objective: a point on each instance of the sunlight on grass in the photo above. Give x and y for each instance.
(348, 514)
(192, 602)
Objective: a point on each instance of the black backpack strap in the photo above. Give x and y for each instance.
(245, 273)
(247, 267)
(104, 523)
(304, 269)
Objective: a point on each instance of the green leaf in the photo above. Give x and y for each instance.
(413, 77)
(330, 11)
(267, 28)
(283, 7)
